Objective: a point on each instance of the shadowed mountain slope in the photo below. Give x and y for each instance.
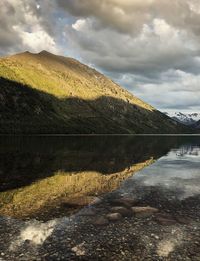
(45, 93)
(196, 125)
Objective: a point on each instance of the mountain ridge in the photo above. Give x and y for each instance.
(196, 125)
(188, 119)
(46, 93)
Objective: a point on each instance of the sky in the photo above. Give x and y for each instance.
(150, 47)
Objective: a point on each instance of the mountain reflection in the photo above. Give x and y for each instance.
(25, 160)
(57, 175)
(188, 151)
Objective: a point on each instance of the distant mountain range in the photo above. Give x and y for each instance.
(196, 125)
(46, 93)
(189, 119)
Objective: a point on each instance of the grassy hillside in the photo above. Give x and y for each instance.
(45, 93)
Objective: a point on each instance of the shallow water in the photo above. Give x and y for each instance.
(53, 190)
(178, 172)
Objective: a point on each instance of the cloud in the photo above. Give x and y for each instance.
(23, 26)
(149, 46)
(36, 39)
(9, 37)
(149, 53)
(174, 90)
(129, 16)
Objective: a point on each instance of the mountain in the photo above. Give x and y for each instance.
(196, 125)
(188, 119)
(46, 93)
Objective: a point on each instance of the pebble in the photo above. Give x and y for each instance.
(114, 216)
(79, 250)
(155, 236)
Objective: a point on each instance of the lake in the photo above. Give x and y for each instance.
(100, 198)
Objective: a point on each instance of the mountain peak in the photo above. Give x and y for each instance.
(26, 52)
(185, 118)
(62, 95)
(44, 52)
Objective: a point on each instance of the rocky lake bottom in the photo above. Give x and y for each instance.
(125, 198)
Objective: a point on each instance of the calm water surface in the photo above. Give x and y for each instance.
(56, 194)
(48, 177)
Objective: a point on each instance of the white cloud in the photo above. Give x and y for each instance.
(24, 26)
(37, 39)
(129, 16)
(149, 52)
(79, 24)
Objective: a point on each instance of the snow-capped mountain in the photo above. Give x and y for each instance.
(185, 118)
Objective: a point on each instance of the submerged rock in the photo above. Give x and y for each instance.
(122, 210)
(144, 211)
(165, 219)
(114, 216)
